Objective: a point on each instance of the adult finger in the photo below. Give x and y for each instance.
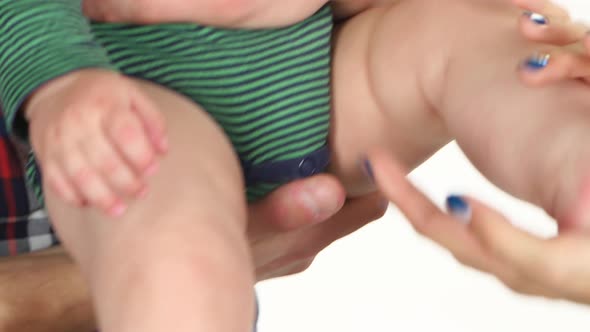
(298, 247)
(355, 214)
(543, 69)
(515, 248)
(567, 271)
(543, 7)
(543, 30)
(294, 206)
(423, 215)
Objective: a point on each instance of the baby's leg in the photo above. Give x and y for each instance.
(530, 142)
(378, 78)
(178, 259)
(435, 82)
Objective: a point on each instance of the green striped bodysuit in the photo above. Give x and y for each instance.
(269, 89)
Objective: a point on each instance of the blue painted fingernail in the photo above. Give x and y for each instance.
(537, 62)
(368, 169)
(458, 207)
(536, 18)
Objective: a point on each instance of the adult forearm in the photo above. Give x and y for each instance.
(43, 292)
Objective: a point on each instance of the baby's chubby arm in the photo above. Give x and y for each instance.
(223, 13)
(51, 88)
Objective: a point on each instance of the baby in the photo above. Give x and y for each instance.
(277, 95)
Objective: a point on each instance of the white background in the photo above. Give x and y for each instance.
(387, 278)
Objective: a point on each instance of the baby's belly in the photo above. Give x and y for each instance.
(268, 89)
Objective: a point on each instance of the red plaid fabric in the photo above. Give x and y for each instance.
(24, 225)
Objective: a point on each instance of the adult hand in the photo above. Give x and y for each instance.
(45, 292)
(546, 22)
(291, 226)
(482, 238)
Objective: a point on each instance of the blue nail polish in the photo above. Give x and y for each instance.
(368, 169)
(536, 18)
(537, 62)
(459, 208)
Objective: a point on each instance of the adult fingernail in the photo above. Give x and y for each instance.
(322, 201)
(458, 207)
(536, 18)
(368, 169)
(537, 61)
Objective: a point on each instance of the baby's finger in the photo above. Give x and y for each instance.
(59, 183)
(106, 160)
(152, 119)
(90, 184)
(544, 7)
(126, 133)
(537, 28)
(545, 68)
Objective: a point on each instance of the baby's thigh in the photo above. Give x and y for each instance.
(198, 189)
(201, 157)
(188, 230)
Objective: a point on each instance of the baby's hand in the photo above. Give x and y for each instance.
(96, 137)
(546, 22)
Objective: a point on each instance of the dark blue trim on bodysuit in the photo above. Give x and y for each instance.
(287, 170)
